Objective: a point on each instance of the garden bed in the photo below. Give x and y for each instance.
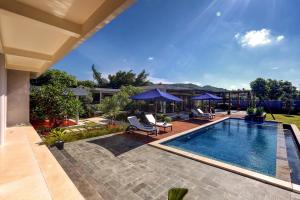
(48, 124)
(70, 134)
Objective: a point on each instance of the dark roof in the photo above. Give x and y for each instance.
(166, 87)
(80, 91)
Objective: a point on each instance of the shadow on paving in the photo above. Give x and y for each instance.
(122, 143)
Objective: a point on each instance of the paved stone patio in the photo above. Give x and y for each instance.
(122, 166)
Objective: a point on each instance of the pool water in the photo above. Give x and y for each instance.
(244, 144)
(293, 156)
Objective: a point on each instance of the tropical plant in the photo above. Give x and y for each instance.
(101, 82)
(56, 134)
(121, 78)
(87, 106)
(73, 134)
(142, 79)
(110, 106)
(124, 95)
(53, 102)
(86, 84)
(259, 111)
(167, 119)
(251, 110)
(126, 78)
(177, 193)
(55, 76)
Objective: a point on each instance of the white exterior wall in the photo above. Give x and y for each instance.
(3, 101)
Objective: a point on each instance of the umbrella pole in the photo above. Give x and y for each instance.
(155, 116)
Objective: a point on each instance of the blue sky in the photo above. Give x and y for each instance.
(224, 43)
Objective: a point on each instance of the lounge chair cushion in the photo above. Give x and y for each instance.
(135, 122)
(152, 120)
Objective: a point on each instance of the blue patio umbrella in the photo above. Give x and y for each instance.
(155, 95)
(207, 96)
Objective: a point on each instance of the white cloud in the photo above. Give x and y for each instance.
(255, 38)
(274, 68)
(218, 14)
(233, 87)
(279, 38)
(236, 36)
(150, 58)
(159, 80)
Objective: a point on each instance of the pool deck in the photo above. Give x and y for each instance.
(123, 166)
(178, 127)
(282, 164)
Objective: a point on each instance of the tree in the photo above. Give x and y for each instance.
(288, 89)
(87, 105)
(110, 107)
(101, 82)
(53, 102)
(86, 84)
(289, 94)
(260, 88)
(55, 76)
(121, 78)
(141, 79)
(275, 90)
(124, 95)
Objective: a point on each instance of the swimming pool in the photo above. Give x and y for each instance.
(249, 145)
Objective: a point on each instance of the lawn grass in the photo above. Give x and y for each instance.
(285, 118)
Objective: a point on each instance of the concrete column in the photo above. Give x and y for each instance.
(77, 114)
(100, 97)
(3, 99)
(18, 89)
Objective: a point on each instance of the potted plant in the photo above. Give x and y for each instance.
(177, 193)
(256, 114)
(167, 119)
(58, 135)
(260, 114)
(251, 111)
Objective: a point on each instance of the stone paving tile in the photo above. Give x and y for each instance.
(144, 172)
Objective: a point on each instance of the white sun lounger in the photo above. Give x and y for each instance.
(202, 116)
(134, 122)
(201, 112)
(152, 121)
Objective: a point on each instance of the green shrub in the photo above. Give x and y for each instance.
(90, 124)
(259, 111)
(73, 135)
(251, 110)
(163, 118)
(122, 116)
(167, 119)
(55, 135)
(160, 117)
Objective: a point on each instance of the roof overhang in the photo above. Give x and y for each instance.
(34, 34)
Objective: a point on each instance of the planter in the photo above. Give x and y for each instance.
(255, 118)
(59, 144)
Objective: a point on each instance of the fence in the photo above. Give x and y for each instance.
(273, 105)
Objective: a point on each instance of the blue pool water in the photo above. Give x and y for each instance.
(245, 144)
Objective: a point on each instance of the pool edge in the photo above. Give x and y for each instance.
(225, 166)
